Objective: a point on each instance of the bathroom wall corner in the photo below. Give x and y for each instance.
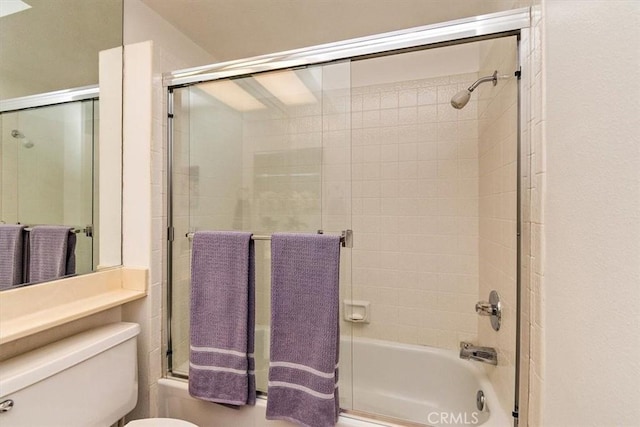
(137, 206)
(144, 193)
(532, 288)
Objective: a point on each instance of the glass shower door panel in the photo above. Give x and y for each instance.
(47, 170)
(255, 165)
(337, 201)
(181, 246)
(434, 216)
(251, 154)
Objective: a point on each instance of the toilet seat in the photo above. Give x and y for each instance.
(159, 422)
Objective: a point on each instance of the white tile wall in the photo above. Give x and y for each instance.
(415, 210)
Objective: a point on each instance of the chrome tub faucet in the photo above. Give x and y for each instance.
(481, 354)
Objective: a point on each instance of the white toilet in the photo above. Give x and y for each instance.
(87, 380)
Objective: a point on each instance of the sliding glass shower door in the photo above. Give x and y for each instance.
(430, 191)
(263, 153)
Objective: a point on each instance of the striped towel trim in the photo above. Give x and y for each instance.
(220, 350)
(304, 389)
(221, 369)
(303, 368)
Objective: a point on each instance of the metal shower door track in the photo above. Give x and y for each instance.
(49, 98)
(512, 22)
(451, 31)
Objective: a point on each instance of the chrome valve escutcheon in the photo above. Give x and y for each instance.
(491, 308)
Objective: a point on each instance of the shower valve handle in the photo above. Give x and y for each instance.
(484, 308)
(491, 308)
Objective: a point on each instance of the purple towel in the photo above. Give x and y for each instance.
(11, 254)
(51, 252)
(70, 267)
(303, 371)
(221, 361)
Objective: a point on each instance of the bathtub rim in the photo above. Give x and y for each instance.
(498, 415)
(479, 371)
(261, 401)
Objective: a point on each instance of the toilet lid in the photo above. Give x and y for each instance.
(160, 422)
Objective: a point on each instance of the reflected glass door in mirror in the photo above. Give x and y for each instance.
(48, 154)
(49, 160)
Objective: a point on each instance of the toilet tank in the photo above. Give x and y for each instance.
(86, 380)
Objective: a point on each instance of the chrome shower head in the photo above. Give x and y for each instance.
(19, 135)
(460, 99)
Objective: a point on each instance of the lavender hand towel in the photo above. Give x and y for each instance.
(50, 249)
(221, 360)
(11, 254)
(303, 370)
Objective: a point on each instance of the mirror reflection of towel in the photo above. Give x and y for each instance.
(51, 252)
(11, 254)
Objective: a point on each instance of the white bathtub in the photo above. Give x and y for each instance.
(417, 384)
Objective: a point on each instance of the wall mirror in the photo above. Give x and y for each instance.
(54, 159)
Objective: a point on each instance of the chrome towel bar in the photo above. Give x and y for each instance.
(346, 237)
(88, 230)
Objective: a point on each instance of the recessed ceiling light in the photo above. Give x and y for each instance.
(287, 87)
(233, 95)
(9, 7)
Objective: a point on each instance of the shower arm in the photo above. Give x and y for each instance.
(492, 78)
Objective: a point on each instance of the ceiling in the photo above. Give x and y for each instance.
(55, 44)
(232, 29)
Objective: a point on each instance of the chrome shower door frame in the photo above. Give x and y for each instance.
(515, 22)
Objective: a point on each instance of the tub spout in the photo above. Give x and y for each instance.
(481, 354)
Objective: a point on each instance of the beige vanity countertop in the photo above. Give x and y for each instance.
(35, 308)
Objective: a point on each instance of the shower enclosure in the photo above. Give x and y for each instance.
(47, 164)
(363, 137)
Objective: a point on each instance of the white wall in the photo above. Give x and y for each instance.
(592, 218)
(109, 217)
(245, 28)
(144, 221)
(141, 24)
(586, 365)
(136, 212)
